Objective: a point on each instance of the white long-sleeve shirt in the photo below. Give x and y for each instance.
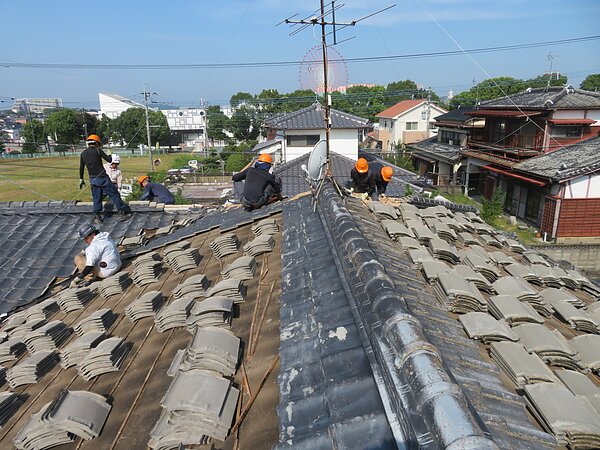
(115, 175)
(102, 251)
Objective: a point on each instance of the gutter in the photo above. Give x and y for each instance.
(425, 407)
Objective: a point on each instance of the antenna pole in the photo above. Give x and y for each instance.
(146, 95)
(551, 59)
(327, 105)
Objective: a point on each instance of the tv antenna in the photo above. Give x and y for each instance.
(326, 18)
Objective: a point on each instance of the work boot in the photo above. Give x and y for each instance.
(98, 220)
(124, 215)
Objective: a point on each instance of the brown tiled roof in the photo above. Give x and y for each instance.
(399, 108)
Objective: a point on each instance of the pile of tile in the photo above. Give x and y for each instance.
(476, 278)
(106, 357)
(442, 250)
(479, 264)
(74, 299)
(145, 306)
(512, 310)
(183, 259)
(501, 259)
(42, 310)
(535, 258)
(444, 232)
(263, 243)
(26, 328)
(576, 318)
(485, 328)
(553, 294)
(71, 414)
(515, 246)
(483, 228)
(212, 312)
(14, 321)
(521, 367)
(459, 295)
(77, 350)
(517, 287)
(9, 403)
(468, 239)
(194, 286)
(197, 404)
(548, 344)
(225, 245)
(131, 242)
(265, 226)
(31, 369)
(419, 255)
(570, 418)
(174, 314)
(407, 243)
(588, 348)
(115, 284)
(47, 337)
(422, 233)
(432, 269)
(522, 271)
(231, 288)
(213, 349)
(490, 240)
(168, 229)
(566, 279)
(383, 210)
(547, 276)
(12, 349)
(578, 383)
(100, 320)
(177, 247)
(242, 268)
(594, 311)
(147, 272)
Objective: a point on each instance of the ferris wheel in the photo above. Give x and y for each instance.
(311, 71)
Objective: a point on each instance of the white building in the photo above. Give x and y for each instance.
(406, 122)
(295, 134)
(112, 105)
(189, 126)
(35, 105)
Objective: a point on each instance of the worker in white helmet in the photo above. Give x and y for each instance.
(113, 171)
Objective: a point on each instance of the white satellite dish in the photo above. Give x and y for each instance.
(317, 161)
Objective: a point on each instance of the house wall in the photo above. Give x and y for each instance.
(397, 127)
(586, 186)
(579, 218)
(344, 142)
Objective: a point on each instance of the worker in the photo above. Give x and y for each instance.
(362, 180)
(100, 183)
(155, 191)
(113, 171)
(261, 187)
(382, 175)
(100, 259)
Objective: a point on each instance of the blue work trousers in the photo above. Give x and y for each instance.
(103, 186)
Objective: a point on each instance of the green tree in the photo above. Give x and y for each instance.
(298, 99)
(33, 132)
(216, 124)
(3, 138)
(130, 127)
(236, 161)
(65, 127)
(489, 89)
(244, 124)
(240, 98)
(541, 81)
(104, 129)
(591, 82)
(400, 90)
(270, 102)
(492, 208)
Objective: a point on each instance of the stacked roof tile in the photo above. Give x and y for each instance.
(106, 357)
(77, 350)
(145, 306)
(194, 286)
(512, 310)
(183, 260)
(485, 328)
(11, 349)
(74, 299)
(588, 348)
(146, 272)
(243, 268)
(459, 295)
(231, 288)
(520, 366)
(263, 243)
(47, 337)
(213, 312)
(174, 314)
(100, 320)
(225, 245)
(266, 226)
(9, 404)
(31, 369)
(115, 284)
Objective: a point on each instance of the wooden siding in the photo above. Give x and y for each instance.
(579, 218)
(548, 216)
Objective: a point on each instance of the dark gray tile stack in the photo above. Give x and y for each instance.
(115, 284)
(174, 314)
(194, 286)
(265, 227)
(231, 288)
(485, 328)
(432, 269)
(77, 350)
(588, 348)
(43, 310)
(71, 414)
(501, 259)
(458, 294)
(145, 306)
(9, 404)
(197, 404)
(263, 243)
(147, 272)
(243, 268)
(25, 329)
(525, 272)
(48, 337)
(548, 344)
(395, 229)
(31, 369)
(441, 249)
(74, 299)
(547, 276)
(515, 246)
(183, 260)
(225, 245)
(383, 210)
(129, 242)
(521, 367)
(512, 310)
(479, 264)
(560, 295)
(11, 349)
(100, 320)
(471, 276)
(106, 357)
(519, 288)
(213, 312)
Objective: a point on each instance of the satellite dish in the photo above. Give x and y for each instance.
(317, 161)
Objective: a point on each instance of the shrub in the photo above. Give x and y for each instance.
(492, 208)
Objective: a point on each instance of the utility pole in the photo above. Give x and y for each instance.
(146, 95)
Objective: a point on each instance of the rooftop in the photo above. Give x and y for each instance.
(546, 99)
(311, 118)
(399, 108)
(433, 147)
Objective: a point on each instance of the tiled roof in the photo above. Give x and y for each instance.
(399, 108)
(456, 115)
(568, 162)
(311, 118)
(433, 147)
(547, 98)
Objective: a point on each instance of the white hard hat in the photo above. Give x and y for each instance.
(116, 159)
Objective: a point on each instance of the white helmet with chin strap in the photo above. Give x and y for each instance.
(116, 159)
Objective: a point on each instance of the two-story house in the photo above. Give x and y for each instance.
(406, 122)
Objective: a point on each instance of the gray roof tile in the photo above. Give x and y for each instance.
(312, 117)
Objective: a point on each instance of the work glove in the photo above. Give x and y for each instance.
(81, 183)
(76, 282)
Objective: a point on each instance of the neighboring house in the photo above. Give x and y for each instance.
(439, 158)
(301, 130)
(112, 105)
(188, 127)
(406, 122)
(35, 105)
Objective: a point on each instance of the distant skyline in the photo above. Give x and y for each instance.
(235, 31)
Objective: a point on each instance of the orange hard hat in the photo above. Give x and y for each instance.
(94, 137)
(387, 173)
(266, 158)
(142, 178)
(361, 166)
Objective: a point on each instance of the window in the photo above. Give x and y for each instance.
(306, 140)
(412, 125)
(385, 124)
(567, 132)
(450, 137)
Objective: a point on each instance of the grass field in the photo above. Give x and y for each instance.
(57, 178)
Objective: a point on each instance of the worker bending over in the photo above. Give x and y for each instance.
(381, 175)
(101, 257)
(261, 187)
(154, 191)
(362, 181)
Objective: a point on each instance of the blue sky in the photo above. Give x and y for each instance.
(236, 31)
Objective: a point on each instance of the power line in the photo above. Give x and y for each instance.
(265, 64)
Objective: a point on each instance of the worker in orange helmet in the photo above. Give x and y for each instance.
(382, 175)
(362, 180)
(260, 186)
(155, 191)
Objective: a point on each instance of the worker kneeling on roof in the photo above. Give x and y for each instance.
(382, 175)
(100, 259)
(362, 180)
(154, 191)
(261, 187)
